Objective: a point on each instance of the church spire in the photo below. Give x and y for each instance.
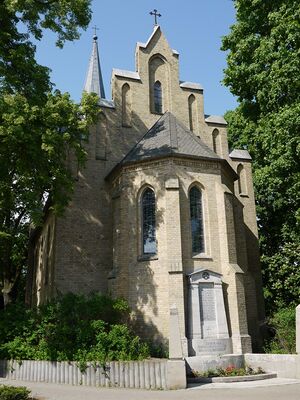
(94, 81)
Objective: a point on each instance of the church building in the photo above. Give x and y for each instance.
(162, 214)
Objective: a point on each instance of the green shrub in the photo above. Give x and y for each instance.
(231, 370)
(14, 393)
(74, 327)
(283, 326)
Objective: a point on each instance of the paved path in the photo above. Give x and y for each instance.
(272, 389)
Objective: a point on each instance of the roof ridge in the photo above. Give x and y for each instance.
(138, 142)
(195, 138)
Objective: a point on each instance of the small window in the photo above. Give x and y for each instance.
(192, 106)
(242, 185)
(126, 105)
(216, 142)
(148, 222)
(196, 216)
(157, 97)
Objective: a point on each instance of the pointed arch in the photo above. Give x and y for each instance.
(126, 105)
(158, 84)
(216, 138)
(148, 221)
(158, 101)
(242, 184)
(196, 219)
(193, 117)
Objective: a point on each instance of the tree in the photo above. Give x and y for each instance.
(39, 128)
(263, 66)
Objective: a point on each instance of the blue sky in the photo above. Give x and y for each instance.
(194, 28)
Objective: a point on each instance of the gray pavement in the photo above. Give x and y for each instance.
(273, 389)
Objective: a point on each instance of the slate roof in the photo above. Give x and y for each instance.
(242, 154)
(94, 81)
(215, 119)
(190, 85)
(169, 136)
(126, 74)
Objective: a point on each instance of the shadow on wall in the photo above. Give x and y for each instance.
(258, 333)
(136, 277)
(85, 247)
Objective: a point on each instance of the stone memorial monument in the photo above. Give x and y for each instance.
(208, 329)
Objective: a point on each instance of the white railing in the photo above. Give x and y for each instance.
(148, 374)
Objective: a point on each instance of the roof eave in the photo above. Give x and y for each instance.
(119, 166)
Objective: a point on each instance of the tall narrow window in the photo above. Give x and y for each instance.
(196, 216)
(192, 112)
(126, 105)
(242, 179)
(157, 97)
(216, 141)
(148, 222)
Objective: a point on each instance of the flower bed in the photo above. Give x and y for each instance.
(229, 374)
(231, 370)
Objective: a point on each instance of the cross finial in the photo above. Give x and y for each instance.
(156, 14)
(95, 32)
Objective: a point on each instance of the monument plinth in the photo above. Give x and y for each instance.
(208, 329)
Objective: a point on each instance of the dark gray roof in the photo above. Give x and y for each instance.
(169, 136)
(94, 81)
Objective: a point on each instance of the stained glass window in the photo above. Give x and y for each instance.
(148, 222)
(157, 97)
(196, 216)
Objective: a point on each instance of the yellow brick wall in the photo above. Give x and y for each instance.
(97, 246)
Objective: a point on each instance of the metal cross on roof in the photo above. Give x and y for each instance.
(156, 14)
(95, 32)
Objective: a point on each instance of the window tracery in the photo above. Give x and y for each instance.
(148, 222)
(196, 218)
(157, 90)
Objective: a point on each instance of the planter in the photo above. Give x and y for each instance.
(230, 379)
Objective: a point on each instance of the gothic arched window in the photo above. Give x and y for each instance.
(242, 185)
(126, 105)
(148, 222)
(157, 90)
(192, 112)
(196, 216)
(216, 142)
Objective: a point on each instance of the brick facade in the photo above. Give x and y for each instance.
(96, 246)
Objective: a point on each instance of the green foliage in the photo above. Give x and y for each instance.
(263, 71)
(20, 20)
(14, 393)
(36, 142)
(40, 130)
(283, 325)
(73, 328)
(231, 370)
(159, 350)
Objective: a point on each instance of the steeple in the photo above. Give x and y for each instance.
(94, 81)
